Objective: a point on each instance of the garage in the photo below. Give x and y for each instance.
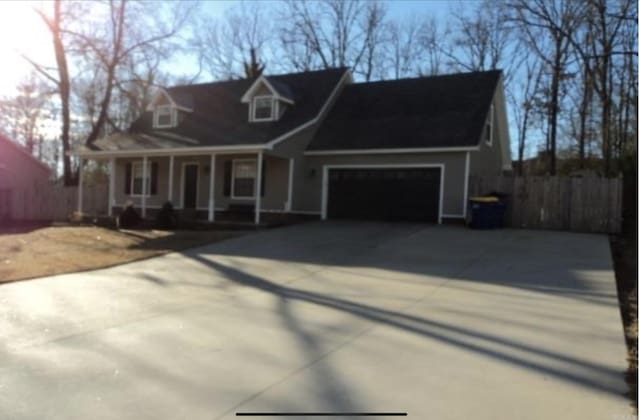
(397, 194)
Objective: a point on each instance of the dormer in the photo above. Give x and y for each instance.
(166, 108)
(267, 99)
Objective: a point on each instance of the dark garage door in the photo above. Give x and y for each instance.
(391, 194)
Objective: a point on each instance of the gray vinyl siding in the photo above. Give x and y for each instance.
(307, 188)
(490, 160)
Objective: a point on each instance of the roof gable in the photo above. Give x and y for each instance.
(164, 96)
(277, 88)
(23, 152)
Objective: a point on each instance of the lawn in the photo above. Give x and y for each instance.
(51, 250)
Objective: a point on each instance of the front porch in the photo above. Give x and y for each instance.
(233, 186)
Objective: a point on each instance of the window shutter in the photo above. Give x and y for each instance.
(127, 179)
(227, 178)
(262, 177)
(154, 178)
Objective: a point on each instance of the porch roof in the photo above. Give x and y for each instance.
(156, 144)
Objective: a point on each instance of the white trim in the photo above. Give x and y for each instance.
(391, 151)
(233, 179)
(170, 181)
(325, 179)
(247, 97)
(212, 179)
(180, 151)
(173, 116)
(465, 198)
(80, 182)
(289, 203)
(253, 108)
(258, 188)
(184, 165)
(334, 92)
(453, 216)
(112, 185)
(145, 175)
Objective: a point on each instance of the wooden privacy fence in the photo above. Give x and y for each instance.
(47, 201)
(590, 204)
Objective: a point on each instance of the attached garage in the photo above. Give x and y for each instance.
(387, 193)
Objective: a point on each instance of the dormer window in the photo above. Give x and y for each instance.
(164, 116)
(267, 99)
(264, 108)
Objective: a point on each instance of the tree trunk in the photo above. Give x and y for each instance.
(64, 87)
(555, 92)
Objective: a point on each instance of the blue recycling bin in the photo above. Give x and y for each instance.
(487, 212)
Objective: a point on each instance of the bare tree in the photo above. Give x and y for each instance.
(331, 33)
(480, 37)
(109, 34)
(226, 45)
(524, 104)
(23, 115)
(549, 26)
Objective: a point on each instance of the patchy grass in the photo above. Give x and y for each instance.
(43, 251)
(625, 258)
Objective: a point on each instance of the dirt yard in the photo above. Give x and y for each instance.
(625, 258)
(43, 251)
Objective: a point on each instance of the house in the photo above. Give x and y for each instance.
(19, 171)
(312, 143)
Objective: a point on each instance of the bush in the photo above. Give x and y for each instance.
(166, 218)
(129, 218)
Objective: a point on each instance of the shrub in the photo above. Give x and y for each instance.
(129, 218)
(166, 218)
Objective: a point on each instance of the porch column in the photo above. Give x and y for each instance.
(170, 192)
(258, 188)
(80, 162)
(112, 183)
(144, 187)
(212, 187)
(290, 188)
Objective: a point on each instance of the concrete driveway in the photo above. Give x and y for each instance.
(439, 322)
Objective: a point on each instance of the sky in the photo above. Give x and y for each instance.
(22, 31)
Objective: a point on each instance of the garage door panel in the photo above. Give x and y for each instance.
(391, 194)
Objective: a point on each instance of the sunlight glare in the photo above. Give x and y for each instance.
(22, 32)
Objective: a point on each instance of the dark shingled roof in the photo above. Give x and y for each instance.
(438, 111)
(220, 119)
(282, 89)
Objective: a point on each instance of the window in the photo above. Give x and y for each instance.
(137, 179)
(489, 128)
(244, 178)
(263, 108)
(163, 116)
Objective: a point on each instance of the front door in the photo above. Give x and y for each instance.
(190, 186)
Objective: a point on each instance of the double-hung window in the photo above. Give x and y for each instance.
(263, 108)
(137, 178)
(163, 116)
(243, 183)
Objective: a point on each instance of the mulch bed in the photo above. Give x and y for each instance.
(625, 259)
